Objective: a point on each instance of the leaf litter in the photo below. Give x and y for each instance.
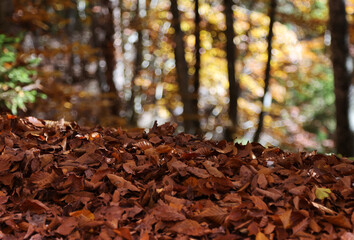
(59, 180)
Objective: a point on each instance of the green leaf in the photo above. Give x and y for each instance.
(322, 193)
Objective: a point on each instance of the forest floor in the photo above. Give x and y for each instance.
(59, 180)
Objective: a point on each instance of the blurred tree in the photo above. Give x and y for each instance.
(234, 88)
(138, 24)
(196, 82)
(342, 76)
(267, 97)
(189, 116)
(109, 55)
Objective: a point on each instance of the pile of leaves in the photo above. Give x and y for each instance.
(60, 181)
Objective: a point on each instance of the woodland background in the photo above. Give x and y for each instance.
(265, 70)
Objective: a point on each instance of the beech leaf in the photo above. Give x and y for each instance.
(322, 193)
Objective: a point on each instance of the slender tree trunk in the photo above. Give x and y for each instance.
(196, 122)
(109, 55)
(340, 56)
(272, 11)
(100, 76)
(182, 70)
(137, 66)
(234, 88)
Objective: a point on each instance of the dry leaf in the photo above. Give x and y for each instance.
(215, 214)
(212, 170)
(261, 236)
(188, 227)
(120, 182)
(285, 218)
(339, 220)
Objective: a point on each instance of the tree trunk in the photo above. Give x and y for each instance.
(272, 11)
(137, 66)
(196, 122)
(182, 71)
(340, 56)
(234, 88)
(109, 55)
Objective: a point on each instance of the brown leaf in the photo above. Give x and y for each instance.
(204, 151)
(35, 206)
(314, 226)
(298, 190)
(275, 195)
(262, 181)
(163, 149)
(261, 236)
(143, 144)
(269, 228)
(68, 225)
(5, 162)
(198, 172)
(227, 149)
(124, 233)
(253, 229)
(301, 226)
(120, 182)
(36, 122)
(7, 179)
(212, 170)
(166, 213)
(258, 203)
(215, 214)
(285, 218)
(83, 213)
(42, 179)
(178, 166)
(339, 220)
(188, 227)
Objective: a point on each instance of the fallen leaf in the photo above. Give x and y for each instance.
(285, 218)
(323, 208)
(120, 182)
(258, 203)
(273, 195)
(188, 227)
(212, 170)
(124, 233)
(215, 214)
(339, 220)
(322, 193)
(166, 213)
(68, 225)
(84, 212)
(261, 236)
(34, 206)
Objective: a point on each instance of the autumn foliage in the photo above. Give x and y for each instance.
(59, 180)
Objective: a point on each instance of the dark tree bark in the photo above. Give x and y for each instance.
(109, 56)
(342, 77)
(137, 65)
(182, 71)
(234, 87)
(196, 122)
(272, 11)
